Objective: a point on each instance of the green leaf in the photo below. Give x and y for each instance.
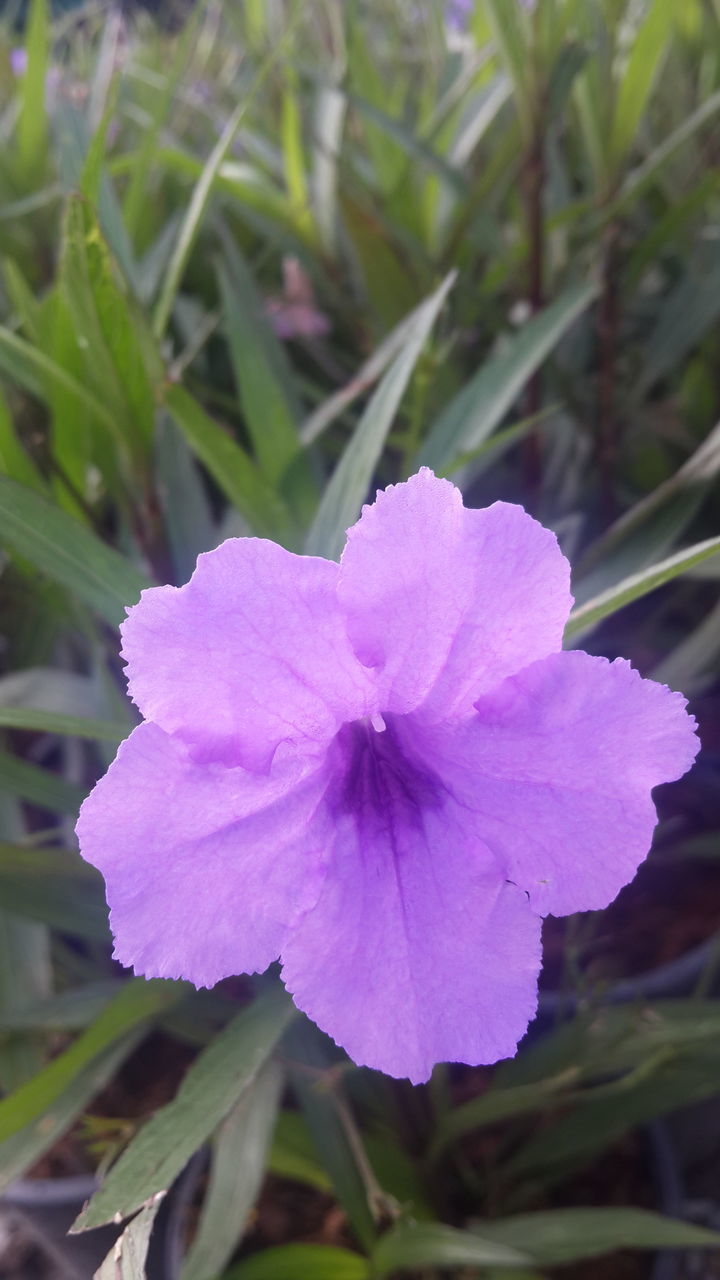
(651, 166)
(499, 1104)
(294, 164)
(564, 1235)
(230, 467)
(588, 615)
(643, 67)
(236, 1174)
(347, 489)
(67, 552)
(267, 411)
(689, 311)
(410, 1245)
(191, 224)
(79, 159)
(32, 124)
(554, 1237)
(211, 1087)
(189, 522)
(136, 1003)
(128, 1256)
(145, 158)
(641, 534)
(368, 373)
(20, 1152)
(26, 975)
(339, 1148)
(614, 1040)
(292, 1154)
(55, 692)
(329, 121)
(39, 786)
(121, 364)
(54, 887)
(603, 1115)
(28, 367)
(692, 663)
(508, 28)
(53, 722)
(472, 416)
(70, 1010)
(14, 461)
(301, 1262)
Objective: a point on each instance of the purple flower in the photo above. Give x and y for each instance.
(384, 772)
(457, 13)
(18, 61)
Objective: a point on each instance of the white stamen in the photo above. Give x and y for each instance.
(377, 722)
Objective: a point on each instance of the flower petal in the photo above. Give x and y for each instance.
(444, 602)
(206, 868)
(250, 652)
(559, 766)
(417, 952)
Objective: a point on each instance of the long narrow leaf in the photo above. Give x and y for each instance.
(473, 415)
(67, 552)
(230, 467)
(212, 1086)
(588, 615)
(237, 1171)
(643, 67)
(52, 722)
(128, 1256)
(351, 479)
(55, 888)
(32, 125)
(39, 786)
(137, 1002)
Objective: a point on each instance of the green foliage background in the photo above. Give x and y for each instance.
(498, 252)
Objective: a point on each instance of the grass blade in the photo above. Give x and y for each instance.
(67, 552)
(126, 1260)
(191, 223)
(230, 467)
(237, 1172)
(33, 125)
(211, 1087)
(267, 411)
(19, 1153)
(473, 415)
(54, 887)
(299, 1262)
(39, 786)
(643, 67)
(52, 722)
(136, 1003)
(412, 1245)
(351, 479)
(588, 615)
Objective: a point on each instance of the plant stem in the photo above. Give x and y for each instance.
(534, 183)
(608, 320)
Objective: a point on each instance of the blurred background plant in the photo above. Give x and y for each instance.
(257, 259)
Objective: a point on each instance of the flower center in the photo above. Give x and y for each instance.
(378, 778)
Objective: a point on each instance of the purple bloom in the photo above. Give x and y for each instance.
(18, 61)
(457, 13)
(384, 772)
